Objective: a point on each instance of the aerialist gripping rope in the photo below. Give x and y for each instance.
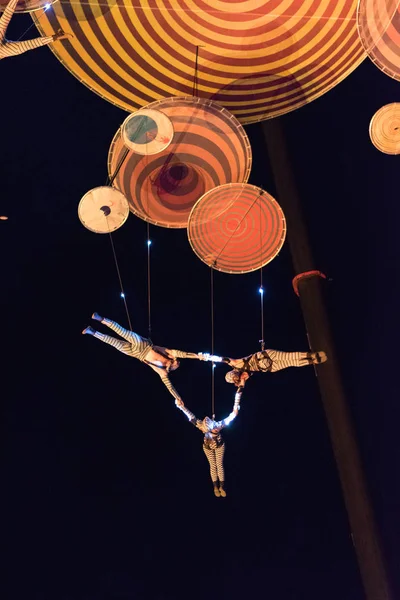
(8, 48)
(266, 361)
(161, 360)
(213, 444)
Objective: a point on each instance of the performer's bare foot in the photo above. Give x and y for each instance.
(216, 492)
(222, 492)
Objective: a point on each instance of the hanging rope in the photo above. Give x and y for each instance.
(110, 179)
(212, 344)
(148, 277)
(118, 273)
(261, 285)
(31, 25)
(195, 78)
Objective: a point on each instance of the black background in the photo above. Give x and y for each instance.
(106, 491)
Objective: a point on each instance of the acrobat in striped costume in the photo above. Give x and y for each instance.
(160, 359)
(8, 48)
(213, 444)
(266, 361)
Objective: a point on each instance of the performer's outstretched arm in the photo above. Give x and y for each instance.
(166, 381)
(182, 354)
(6, 18)
(235, 410)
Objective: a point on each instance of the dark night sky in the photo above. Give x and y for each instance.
(106, 492)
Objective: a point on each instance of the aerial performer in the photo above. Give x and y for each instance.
(265, 361)
(8, 48)
(161, 360)
(213, 443)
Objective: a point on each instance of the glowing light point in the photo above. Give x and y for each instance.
(261, 290)
(122, 295)
(149, 242)
(47, 6)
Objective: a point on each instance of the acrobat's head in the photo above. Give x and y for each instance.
(237, 377)
(209, 423)
(174, 365)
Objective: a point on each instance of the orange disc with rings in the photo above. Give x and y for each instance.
(209, 148)
(384, 129)
(237, 228)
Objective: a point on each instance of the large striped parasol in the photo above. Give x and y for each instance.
(258, 58)
(209, 147)
(378, 24)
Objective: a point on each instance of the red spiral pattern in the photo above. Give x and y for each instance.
(237, 228)
(209, 148)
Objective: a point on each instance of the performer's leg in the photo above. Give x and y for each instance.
(129, 336)
(283, 360)
(219, 456)
(213, 468)
(15, 48)
(120, 345)
(6, 18)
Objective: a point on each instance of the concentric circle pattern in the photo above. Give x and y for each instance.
(209, 148)
(384, 129)
(147, 132)
(28, 6)
(378, 24)
(258, 58)
(103, 210)
(237, 228)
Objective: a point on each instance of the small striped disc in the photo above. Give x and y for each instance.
(147, 132)
(384, 129)
(103, 209)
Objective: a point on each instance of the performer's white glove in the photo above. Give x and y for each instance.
(208, 356)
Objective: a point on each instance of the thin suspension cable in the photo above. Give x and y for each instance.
(195, 79)
(120, 278)
(149, 277)
(31, 25)
(212, 344)
(261, 284)
(110, 180)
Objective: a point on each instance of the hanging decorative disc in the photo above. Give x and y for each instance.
(103, 210)
(28, 5)
(384, 129)
(236, 228)
(209, 148)
(147, 132)
(378, 23)
(257, 58)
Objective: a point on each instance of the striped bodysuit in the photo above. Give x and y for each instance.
(8, 48)
(138, 347)
(269, 361)
(213, 443)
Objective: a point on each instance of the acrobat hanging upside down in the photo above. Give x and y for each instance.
(161, 360)
(8, 48)
(265, 361)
